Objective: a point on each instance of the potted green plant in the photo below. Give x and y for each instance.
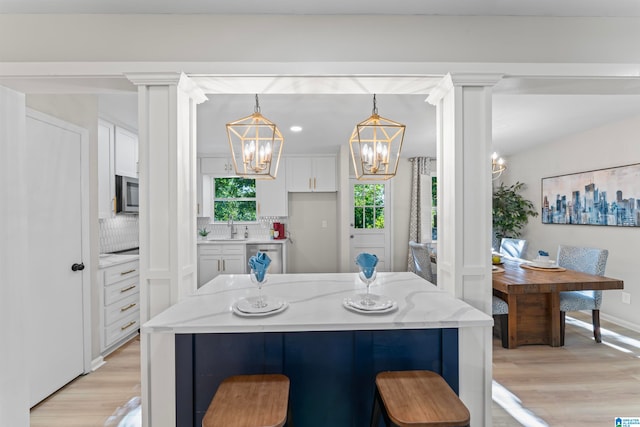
(511, 211)
(203, 232)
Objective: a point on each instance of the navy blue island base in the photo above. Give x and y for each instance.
(332, 373)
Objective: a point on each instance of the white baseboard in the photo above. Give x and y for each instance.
(97, 363)
(620, 322)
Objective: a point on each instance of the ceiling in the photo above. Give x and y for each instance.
(333, 7)
(526, 112)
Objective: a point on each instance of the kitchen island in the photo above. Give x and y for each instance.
(330, 353)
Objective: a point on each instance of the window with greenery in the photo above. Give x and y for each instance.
(234, 198)
(368, 205)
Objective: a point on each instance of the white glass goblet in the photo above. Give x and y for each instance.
(367, 300)
(260, 302)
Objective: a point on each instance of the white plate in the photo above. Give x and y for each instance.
(383, 304)
(544, 264)
(244, 307)
(393, 307)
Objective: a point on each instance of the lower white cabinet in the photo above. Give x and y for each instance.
(219, 259)
(120, 304)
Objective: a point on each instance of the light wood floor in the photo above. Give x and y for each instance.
(580, 384)
(103, 398)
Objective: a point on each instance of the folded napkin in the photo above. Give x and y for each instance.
(259, 263)
(543, 253)
(367, 263)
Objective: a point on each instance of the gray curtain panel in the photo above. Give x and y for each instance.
(419, 166)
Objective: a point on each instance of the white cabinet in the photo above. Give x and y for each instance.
(126, 153)
(106, 170)
(271, 195)
(218, 166)
(219, 259)
(119, 304)
(308, 174)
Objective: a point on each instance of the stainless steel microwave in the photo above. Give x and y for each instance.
(127, 200)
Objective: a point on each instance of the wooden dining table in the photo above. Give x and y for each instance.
(533, 296)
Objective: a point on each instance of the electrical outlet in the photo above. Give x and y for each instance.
(626, 298)
(324, 223)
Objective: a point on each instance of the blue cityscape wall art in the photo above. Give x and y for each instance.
(600, 197)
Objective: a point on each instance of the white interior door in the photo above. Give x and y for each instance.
(55, 334)
(371, 221)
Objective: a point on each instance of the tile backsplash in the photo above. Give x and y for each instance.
(256, 231)
(119, 233)
(122, 232)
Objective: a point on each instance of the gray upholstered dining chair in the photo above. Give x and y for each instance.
(422, 261)
(500, 310)
(585, 260)
(513, 247)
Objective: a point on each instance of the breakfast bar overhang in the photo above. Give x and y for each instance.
(330, 353)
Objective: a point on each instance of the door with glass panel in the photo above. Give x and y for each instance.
(371, 222)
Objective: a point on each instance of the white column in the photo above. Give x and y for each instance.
(167, 173)
(464, 221)
(14, 267)
(168, 208)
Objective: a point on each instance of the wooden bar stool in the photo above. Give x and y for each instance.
(249, 401)
(417, 399)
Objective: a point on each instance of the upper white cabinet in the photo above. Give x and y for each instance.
(271, 195)
(106, 170)
(308, 174)
(126, 153)
(217, 166)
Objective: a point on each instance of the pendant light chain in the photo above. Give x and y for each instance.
(256, 109)
(375, 106)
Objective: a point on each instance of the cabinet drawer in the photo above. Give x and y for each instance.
(233, 249)
(122, 328)
(121, 309)
(120, 272)
(210, 249)
(120, 290)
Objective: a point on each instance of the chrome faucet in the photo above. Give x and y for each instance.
(232, 228)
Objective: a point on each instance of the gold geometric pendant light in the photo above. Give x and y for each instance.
(375, 147)
(256, 145)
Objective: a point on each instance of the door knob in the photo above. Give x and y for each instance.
(351, 236)
(77, 267)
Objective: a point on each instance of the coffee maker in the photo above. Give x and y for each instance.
(278, 230)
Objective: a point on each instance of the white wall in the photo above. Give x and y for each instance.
(314, 248)
(81, 110)
(307, 38)
(400, 204)
(14, 262)
(612, 145)
(120, 109)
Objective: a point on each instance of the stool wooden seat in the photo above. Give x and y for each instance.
(249, 401)
(417, 399)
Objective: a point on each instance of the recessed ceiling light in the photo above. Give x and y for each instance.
(295, 128)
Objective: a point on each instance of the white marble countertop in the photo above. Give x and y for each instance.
(223, 241)
(315, 304)
(109, 260)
